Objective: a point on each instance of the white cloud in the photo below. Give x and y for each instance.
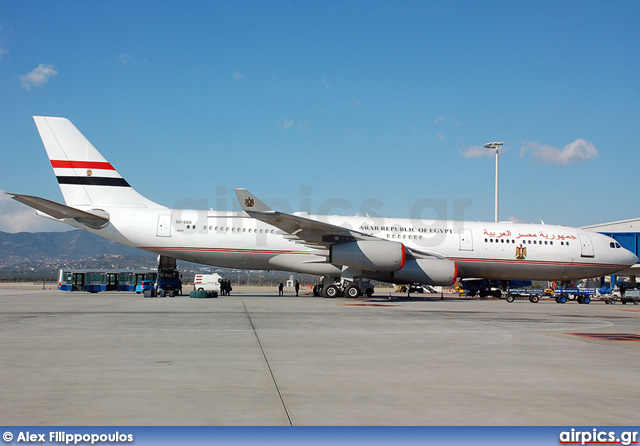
(238, 75)
(578, 151)
(285, 123)
(478, 152)
(17, 217)
(126, 59)
(38, 76)
(453, 121)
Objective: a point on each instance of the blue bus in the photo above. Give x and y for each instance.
(95, 280)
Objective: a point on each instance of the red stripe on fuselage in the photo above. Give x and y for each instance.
(65, 164)
(538, 262)
(238, 250)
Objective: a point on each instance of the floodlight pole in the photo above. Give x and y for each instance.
(496, 146)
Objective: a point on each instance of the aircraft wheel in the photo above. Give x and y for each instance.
(352, 291)
(331, 291)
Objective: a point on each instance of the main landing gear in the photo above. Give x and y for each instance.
(331, 288)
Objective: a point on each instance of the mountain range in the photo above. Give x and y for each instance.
(70, 245)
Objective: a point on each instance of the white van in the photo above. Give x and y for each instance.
(207, 282)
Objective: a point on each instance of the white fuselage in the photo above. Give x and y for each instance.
(487, 250)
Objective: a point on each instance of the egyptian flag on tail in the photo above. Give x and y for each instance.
(84, 175)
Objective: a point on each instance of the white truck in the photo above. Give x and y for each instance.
(207, 282)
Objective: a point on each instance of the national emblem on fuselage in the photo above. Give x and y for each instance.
(521, 252)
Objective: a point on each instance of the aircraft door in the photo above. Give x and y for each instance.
(586, 248)
(164, 225)
(466, 240)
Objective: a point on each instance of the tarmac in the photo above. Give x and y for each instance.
(254, 358)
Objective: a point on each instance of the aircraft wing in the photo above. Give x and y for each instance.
(312, 233)
(60, 211)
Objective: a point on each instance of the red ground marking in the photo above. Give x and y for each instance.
(609, 336)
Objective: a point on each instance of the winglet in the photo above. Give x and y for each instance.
(249, 202)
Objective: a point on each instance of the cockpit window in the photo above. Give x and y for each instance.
(612, 245)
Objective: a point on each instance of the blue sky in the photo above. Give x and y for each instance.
(338, 106)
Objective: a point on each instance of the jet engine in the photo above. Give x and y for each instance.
(369, 255)
(440, 272)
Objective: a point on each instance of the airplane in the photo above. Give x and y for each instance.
(346, 254)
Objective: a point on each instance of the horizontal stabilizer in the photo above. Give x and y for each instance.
(60, 211)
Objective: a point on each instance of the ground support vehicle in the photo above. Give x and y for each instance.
(629, 296)
(533, 294)
(141, 287)
(580, 295)
(207, 282)
(169, 278)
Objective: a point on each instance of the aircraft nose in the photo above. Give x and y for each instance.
(629, 258)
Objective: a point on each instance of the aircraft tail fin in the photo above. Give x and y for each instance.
(85, 177)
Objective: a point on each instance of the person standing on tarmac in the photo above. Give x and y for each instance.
(297, 287)
(281, 289)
